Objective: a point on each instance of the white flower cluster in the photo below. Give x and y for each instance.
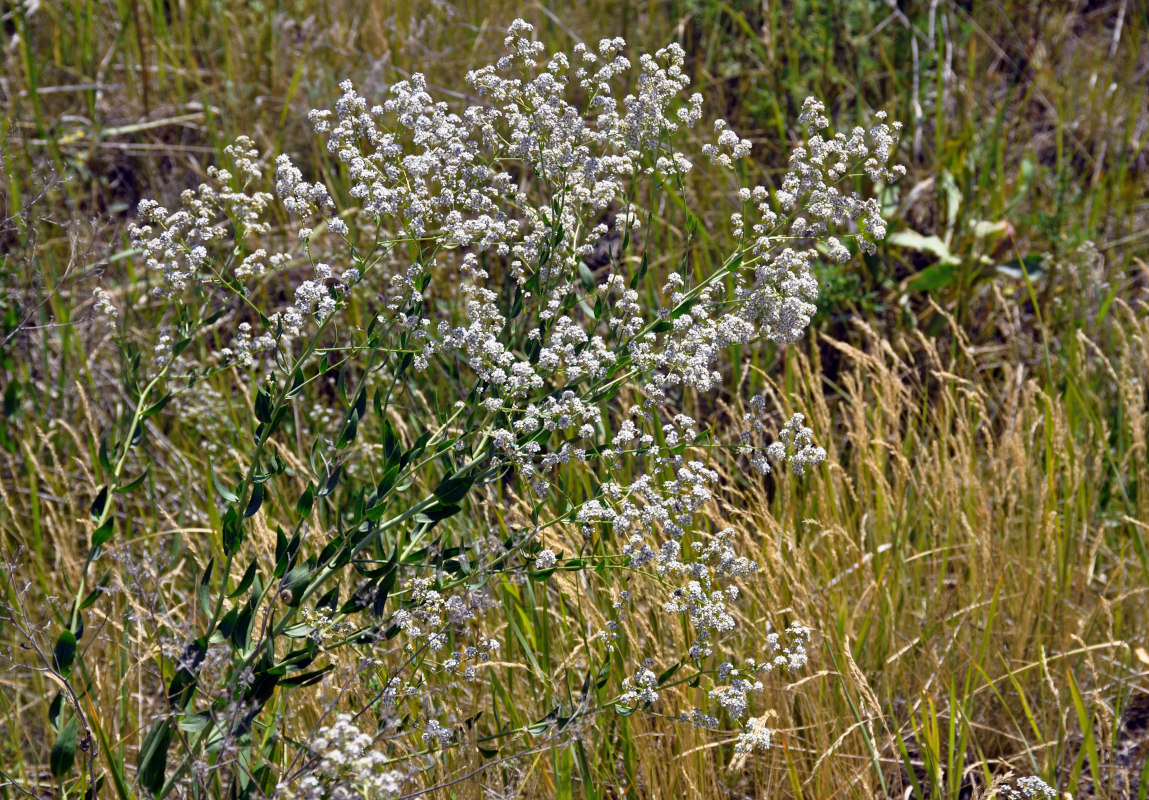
(791, 656)
(545, 559)
(699, 719)
(733, 697)
(431, 615)
(479, 653)
(794, 443)
(610, 634)
(756, 736)
(435, 734)
(640, 688)
(324, 627)
(701, 600)
(498, 206)
(244, 347)
(186, 246)
(1028, 788)
(344, 766)
(105, 306)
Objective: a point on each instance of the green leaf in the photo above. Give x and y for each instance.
(240, 634)
(683, 307)
(391, 444)
(195, 723)
(256, 500)
(263, 404)
(360, 600)
(640, 273)
(329, 600)
(331, 482)
(543, 724)
(306, 501)
(180, 346)
(387, 482)
(668, 674)
(99, 504)
(156, 407)
(215, 316)
(134, 484)
(294, 582)
(297, 383)
(103, 458)
(379, 602)
(1085, 720)
(307, 678)
(246, 581)
(153, 759)
(953, 200)
(95, 593)
(285, 551)
(64, 654)
(63, 754)
(437, 513)
(183, 684)
(204, 590)
(930, 279)
(416, 449)
(226, 627)
(923, 244)
(56, 710)
(227, 495)
(350, 430)
(586, 275)
(232, 532)
(455, 487)
(102, 534)
(1018, 268)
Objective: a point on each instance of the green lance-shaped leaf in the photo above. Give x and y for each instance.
(153, 759)
(63, 754)
(232, 532)
(64, 654)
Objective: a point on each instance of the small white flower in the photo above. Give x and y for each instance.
(545, 559)
(105, 306)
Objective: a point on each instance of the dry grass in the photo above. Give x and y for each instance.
(974, 546)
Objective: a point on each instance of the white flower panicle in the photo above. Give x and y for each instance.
(640, 688)
(498, 207)
(344, 766)
(795, 445)
(755, 737)
(1028, 788)
(791, 655)
(105, 306)
(545, 559)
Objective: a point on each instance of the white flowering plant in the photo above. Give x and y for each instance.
(496, 303)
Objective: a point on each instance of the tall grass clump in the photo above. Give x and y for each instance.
(453, 394)
(973, 549)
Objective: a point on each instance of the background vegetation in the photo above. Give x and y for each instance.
(972, 556)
